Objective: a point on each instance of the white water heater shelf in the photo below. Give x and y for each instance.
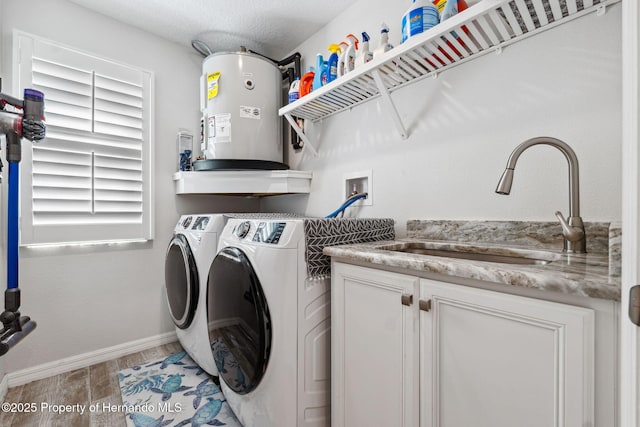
(483, 28)
(245, 182)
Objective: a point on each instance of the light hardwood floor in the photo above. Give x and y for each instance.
(96, 384)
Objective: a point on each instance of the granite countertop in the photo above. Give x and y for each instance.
(595, 274)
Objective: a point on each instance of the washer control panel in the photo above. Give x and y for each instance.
(256, 231)
(269, 232)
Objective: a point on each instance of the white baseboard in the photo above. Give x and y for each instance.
(49, 369)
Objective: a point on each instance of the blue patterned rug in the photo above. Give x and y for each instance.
(175, 392)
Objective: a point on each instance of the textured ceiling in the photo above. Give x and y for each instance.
(271, 27)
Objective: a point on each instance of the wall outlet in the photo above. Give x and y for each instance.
(358, 182)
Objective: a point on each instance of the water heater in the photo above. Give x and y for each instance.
(240, 96)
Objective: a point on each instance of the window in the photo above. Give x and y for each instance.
(89, 180)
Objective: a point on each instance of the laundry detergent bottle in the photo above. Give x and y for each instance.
(421, 16)
(456, 6)
(450, 9)
(332, 62)
(306, 82)
(320, 79)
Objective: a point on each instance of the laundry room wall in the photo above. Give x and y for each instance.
(86, 299)
(564, 83)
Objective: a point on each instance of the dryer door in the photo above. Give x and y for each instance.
(239, 322)
(181, 281)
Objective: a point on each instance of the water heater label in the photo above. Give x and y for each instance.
(249, 112)
(219, 128)
(212, 85)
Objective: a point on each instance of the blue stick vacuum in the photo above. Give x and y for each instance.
(29, 124)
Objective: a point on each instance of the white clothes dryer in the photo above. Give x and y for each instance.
(189, 256)
(268, 302)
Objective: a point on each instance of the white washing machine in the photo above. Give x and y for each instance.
(269, 316)
(189, 256)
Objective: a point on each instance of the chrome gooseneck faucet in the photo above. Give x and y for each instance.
(575, 239)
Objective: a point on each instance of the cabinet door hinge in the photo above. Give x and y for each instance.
(406, 299)
(425, 305)
(634, 305)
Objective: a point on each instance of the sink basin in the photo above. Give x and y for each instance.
(474, 253)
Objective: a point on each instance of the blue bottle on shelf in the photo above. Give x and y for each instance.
(320, 78)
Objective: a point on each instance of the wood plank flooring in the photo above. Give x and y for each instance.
(95, 385)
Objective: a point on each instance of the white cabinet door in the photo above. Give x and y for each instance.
(373, 348)
(489, 359)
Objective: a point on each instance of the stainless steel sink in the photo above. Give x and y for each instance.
(475, 253)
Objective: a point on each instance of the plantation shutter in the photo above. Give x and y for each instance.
(89, 179)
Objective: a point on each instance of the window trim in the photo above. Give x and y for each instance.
(68, 234)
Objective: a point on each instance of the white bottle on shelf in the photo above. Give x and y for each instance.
(365, 55)
(421, 16)
(350, 54)
(385, 46)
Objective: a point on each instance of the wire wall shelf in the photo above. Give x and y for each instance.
(483, 28)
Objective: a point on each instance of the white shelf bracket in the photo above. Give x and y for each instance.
(601, 10)
(386, 98)
(301, 134)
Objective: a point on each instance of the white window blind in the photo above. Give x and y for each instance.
(89, 180)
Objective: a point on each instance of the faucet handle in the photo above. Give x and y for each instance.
(561, 218)
(570, 232)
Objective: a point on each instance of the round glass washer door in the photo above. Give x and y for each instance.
(240, 328)
(181, 281)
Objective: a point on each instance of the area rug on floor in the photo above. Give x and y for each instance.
(172, 392)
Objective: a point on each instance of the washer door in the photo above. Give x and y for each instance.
(240, 329)
(181, 281)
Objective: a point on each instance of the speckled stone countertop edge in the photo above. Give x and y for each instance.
(593, 275)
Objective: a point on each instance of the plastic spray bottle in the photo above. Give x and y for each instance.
(385, 46)
(350, 55)
(343, 54)
(364, 55)
(332, 62)
(421, 16)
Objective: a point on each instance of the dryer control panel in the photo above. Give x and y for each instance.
(205, 223)
(193, 222)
